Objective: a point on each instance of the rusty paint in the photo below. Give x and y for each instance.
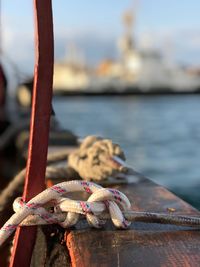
(49, 183)
(39, 127)
(72, 250)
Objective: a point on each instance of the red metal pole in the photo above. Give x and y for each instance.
(39, 128)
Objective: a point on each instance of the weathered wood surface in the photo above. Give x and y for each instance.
(143, 244)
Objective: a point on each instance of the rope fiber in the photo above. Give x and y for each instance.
(100, 200)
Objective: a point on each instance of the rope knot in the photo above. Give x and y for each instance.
(95, 159)
(100, 201)
(66, 212)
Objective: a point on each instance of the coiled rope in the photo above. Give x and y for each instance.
(93, 160)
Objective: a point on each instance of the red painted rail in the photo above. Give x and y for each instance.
(39, 127)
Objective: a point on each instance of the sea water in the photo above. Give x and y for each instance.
(159, 134)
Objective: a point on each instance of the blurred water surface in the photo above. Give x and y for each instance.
(160, 134)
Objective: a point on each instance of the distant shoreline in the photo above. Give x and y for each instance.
(128, 93)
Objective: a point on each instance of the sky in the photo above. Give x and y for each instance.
(172, 26)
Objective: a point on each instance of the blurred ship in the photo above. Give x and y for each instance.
(134, 72)
(146, 70)
(137, 71)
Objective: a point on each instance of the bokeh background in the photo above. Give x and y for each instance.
(160, 133)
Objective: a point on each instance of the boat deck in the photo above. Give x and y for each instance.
(143, 244)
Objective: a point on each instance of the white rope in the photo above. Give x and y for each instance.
(101, 199)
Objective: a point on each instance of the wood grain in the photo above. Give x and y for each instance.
(143, 244)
